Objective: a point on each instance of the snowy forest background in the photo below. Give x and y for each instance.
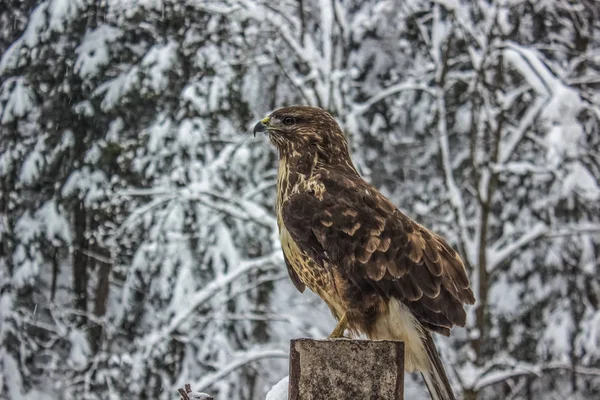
(138, 245)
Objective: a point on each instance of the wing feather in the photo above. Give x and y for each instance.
(301, 286)
(376, 246)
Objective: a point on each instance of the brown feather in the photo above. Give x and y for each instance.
(460, 274)
(429, 284)
(384, 245)
(434, 268)
(425, 275)
(294, 276)
(397, 269)
(376, 268)
(431, 251)
(432, 304)
(363, 255)
(352, 230)
(415, 248)
(412, 290)
(372, 244)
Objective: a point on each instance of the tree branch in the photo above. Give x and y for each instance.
(362, 108)
(205, 294)
(455, 196)
(240, 361)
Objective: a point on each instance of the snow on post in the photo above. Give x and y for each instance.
(346, 369)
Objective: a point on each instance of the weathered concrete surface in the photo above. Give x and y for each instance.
(343, 369)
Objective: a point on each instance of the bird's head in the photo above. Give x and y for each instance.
(301, 130)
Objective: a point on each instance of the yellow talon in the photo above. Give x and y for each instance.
(338, 332)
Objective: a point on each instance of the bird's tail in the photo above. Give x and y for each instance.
(435, 377)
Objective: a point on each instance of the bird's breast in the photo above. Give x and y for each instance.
(317, 277)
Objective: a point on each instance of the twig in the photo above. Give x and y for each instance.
(187, 394)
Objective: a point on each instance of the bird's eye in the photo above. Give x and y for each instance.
(288, 121)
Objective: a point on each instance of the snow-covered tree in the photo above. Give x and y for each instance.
(142, 247)
(138, 247)
(498, 152)
(481, 121)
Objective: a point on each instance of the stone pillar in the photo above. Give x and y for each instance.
(343, 369)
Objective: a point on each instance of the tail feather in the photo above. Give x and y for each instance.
(436, 378)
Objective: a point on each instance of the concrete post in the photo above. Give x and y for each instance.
(343, 369)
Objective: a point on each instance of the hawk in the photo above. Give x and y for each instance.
(381, 273)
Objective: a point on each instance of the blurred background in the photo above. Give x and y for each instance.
(138, 245)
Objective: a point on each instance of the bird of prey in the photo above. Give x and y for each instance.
(381, 273)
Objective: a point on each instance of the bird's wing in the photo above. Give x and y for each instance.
(301, 286)
(379, 249)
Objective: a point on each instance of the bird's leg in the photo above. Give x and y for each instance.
(338, 332)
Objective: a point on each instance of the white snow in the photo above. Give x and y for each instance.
(18, 99)
(190, 133)
(280, 390)
(27, 227)
(93, 52)
(33, 163)
(504, 20)
(54, 223)
(60, 11)
(187, 216)
(80, 349)
(28, 268)
(118, 87)
(156, 63)
(199, 396)
(91, 185)
(580, 180)
(564, 140)
(529, 65)
(114, 130)
(505, 296)
(35, 28)
(13, 379)
(556, 340)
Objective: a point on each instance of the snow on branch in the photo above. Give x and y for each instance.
(139, 212)
(513, 139)
(521, 168)
(241, 209)
(206, 293)
(493, 378)
(263, 14)
(524, 369)
(362, 108)
(497, 256)
(238, 362)
(455, 196)
(580, 229)
(251, 211)
(188, 394)
(532, 68)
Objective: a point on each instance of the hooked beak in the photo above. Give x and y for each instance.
(261, 126)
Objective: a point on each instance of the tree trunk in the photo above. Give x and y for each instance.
(100, 299)
(80, 262)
